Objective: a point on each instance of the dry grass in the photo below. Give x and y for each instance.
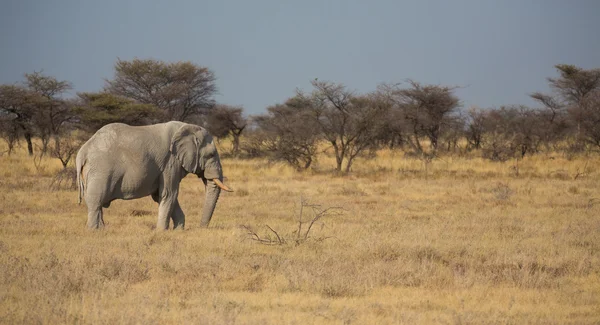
(467, 242)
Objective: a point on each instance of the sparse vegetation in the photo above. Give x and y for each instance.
(182, 90)
(225, 120)
(485, 217)
(305, 225)
(467, 242)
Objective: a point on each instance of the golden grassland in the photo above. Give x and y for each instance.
(461, 240)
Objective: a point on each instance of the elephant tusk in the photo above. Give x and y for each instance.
(221, 185)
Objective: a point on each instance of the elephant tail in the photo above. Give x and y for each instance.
(80, 163)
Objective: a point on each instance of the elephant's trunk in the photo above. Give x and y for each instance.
(212, 195)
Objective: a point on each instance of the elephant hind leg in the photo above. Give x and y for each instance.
(95, 217)
(165, 209)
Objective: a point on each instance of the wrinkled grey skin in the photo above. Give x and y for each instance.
(130, 162)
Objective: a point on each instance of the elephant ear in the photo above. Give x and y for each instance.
(185, 145)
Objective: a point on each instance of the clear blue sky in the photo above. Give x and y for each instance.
(260, 51)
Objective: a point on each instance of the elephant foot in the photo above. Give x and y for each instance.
(162, 226)
(95, 218)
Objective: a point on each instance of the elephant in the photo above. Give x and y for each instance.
(129, 162)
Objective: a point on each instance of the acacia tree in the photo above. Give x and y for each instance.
(509, 132)
(453, 132)
(98, 109)
(569, 101)
(393, 130)
(52, 113)
(290, 133)
(181, 89)
(499, 137)
(350, 123)
(475, 127)
(426, 111)
(528, 129)
(18, 105)
(9, 131)
(224, 120)
(588, 118)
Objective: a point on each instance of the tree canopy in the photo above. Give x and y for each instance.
(98, 109)
(181, 89)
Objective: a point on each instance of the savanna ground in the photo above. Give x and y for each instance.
(461, 241)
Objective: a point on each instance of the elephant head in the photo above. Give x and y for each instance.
(195, 150)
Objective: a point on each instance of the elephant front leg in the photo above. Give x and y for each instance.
(95, 217)
(168, 208)
(178, 217)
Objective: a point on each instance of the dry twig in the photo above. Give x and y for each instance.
(300, 236)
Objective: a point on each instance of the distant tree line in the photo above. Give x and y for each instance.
(423, 120)
(427, 120)
(141, 92)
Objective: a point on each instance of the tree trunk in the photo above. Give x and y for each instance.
(236, 144)
(56, 144)
(10, 141)
(308, 163)
(434, 142)
(339, 156)
(45, 142)
(29, 143)
(349, 164)
(415, 143)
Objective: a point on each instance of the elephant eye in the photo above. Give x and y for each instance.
(207, 153)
